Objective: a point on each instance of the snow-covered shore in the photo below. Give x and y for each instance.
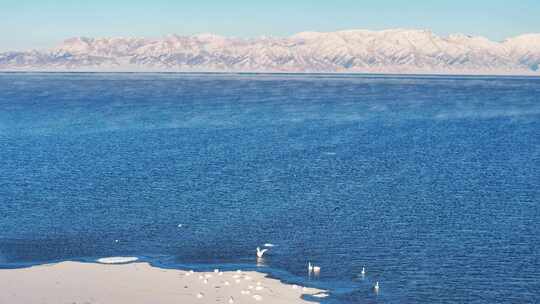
(74, 282)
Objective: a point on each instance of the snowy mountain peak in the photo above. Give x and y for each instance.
(209, 37)
(526, 41)
(386, 51)
(307, 35)
(76, 44)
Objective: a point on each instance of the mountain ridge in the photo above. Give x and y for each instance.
(348, 51)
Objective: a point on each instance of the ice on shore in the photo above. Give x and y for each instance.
(117, 260)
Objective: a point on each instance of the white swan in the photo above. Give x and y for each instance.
(310, 267)
(376, 287)
(363, 271)
(260, 252)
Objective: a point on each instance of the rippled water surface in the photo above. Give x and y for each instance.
(432, 183)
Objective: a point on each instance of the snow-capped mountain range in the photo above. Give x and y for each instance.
(388, 51)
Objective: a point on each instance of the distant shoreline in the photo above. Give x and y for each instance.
(442, 75)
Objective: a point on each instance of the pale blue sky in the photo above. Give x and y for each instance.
(44, 23)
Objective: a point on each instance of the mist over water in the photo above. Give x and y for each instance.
(432, 183)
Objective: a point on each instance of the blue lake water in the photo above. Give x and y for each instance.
(432, 183)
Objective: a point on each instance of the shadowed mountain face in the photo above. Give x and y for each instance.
(389, 51)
